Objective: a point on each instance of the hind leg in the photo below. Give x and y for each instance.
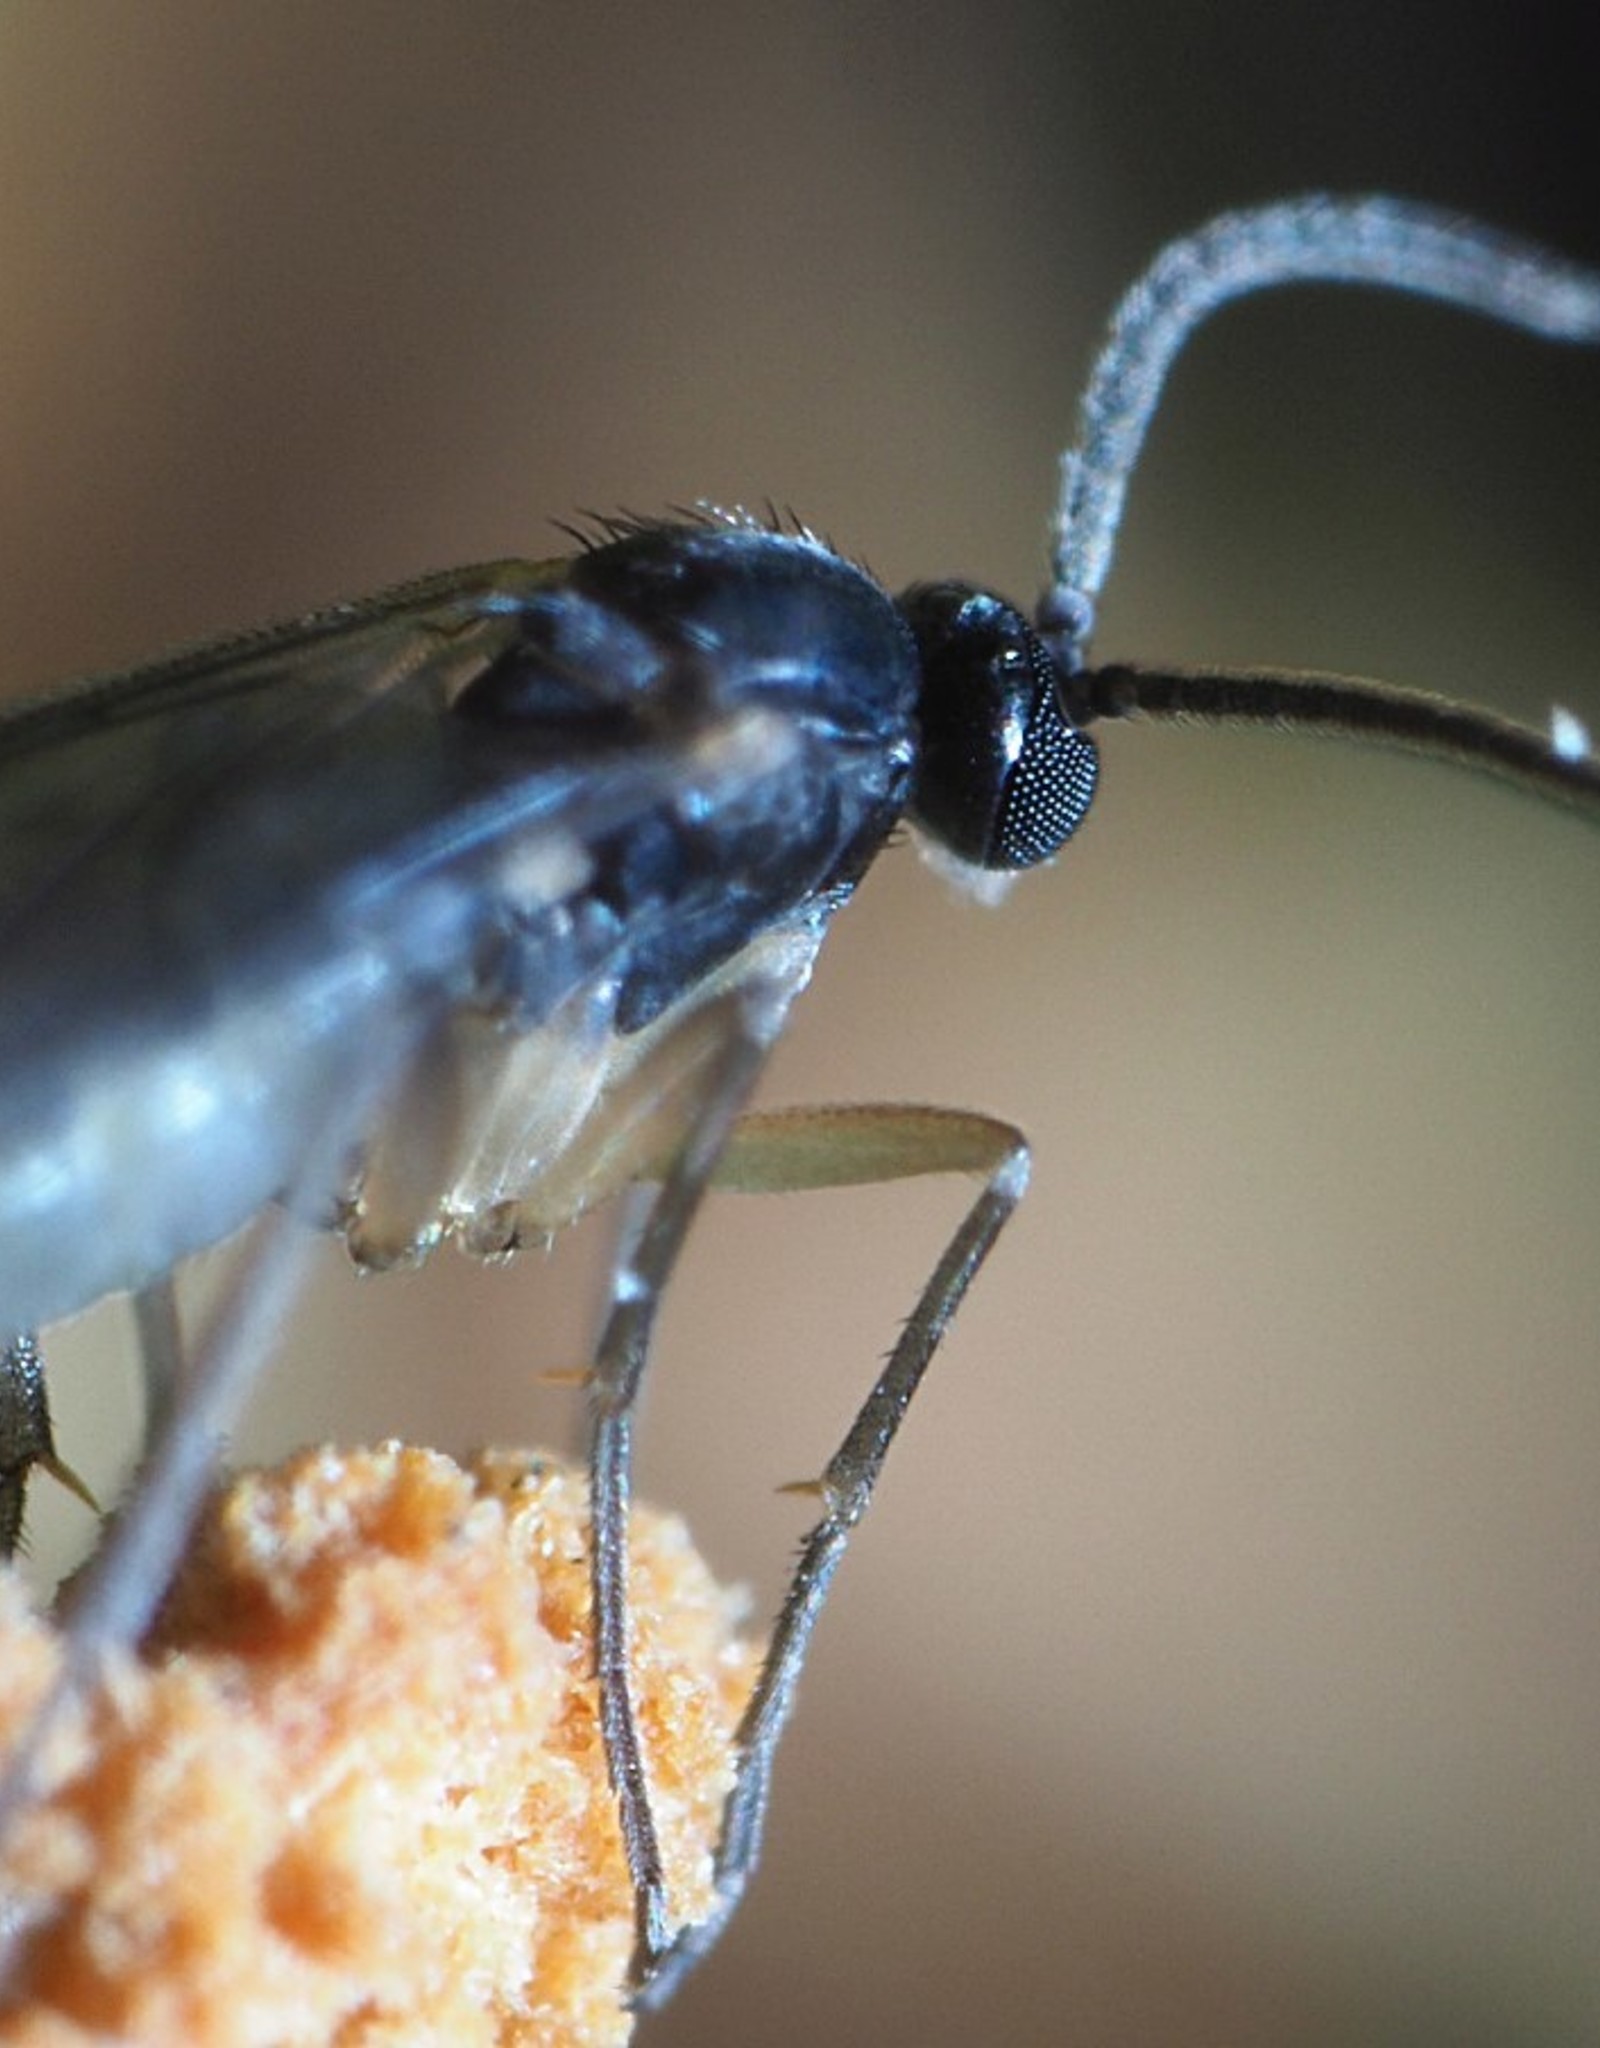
(26, 1438)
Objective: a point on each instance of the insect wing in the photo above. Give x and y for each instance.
(125, 769)
(220, 872)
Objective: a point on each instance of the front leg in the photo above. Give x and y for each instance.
(740, 1027)
(779, 1151)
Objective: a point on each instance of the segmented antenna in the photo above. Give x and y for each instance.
(1558, 764)
(1316, 239)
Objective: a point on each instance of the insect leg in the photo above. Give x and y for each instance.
(114, 1602)
(744, 1023)
(159, 1335)
(128, 1579)
(26, 1438)
(790, 1150)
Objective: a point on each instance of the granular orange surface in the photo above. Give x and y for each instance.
(353, 1792)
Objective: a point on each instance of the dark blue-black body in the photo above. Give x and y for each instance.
(490, 799)
(702, 623)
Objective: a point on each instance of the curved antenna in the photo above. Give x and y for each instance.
(1559, 765)
(1316, 239)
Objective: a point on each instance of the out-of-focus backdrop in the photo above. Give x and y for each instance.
(1222, 1661)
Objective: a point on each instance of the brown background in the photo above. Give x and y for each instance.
(1222, 1664)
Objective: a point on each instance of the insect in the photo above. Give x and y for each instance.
(450, 914)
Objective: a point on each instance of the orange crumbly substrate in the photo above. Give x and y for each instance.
(354, 1791)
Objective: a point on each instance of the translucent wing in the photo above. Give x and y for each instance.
(122, 775)
(221, 871)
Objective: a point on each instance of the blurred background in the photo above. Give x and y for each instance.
(1222, 1661)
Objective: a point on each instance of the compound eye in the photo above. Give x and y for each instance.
(1004, 776)
(1052, 784)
